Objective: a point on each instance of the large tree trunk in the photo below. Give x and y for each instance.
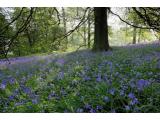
(65, 27)
(84, 34)
(134, 35)
(89, 31)
(126, 32)
(101, 29)
(139, 36)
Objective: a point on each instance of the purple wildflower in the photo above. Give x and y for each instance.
(112, 91)
(19, 103)
(61, 75)
(106, 99)
(60, 61)
(87, 106)
(110, 65)
(79, 110)
(86, 78)
(122, 93)
(134, 101)
(142, 83)
(63, 92)
(11, 97)
(105, 77)
(132, 84)
(99, 107)
(127, 107)
(92, 111)
(2, 86)
(34, 101)
(131, 96)
(16, 92)
(51, 95)
(11, 81)
(99, 78)
(26, 90)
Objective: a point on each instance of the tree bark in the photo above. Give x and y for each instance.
(65, 27)
(134, 35)
(139, 36)
(84, 34)
(101, 29)
(89, 31)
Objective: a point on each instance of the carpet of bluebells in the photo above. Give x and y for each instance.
(126, 79)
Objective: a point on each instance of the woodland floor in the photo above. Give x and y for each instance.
(126, 79)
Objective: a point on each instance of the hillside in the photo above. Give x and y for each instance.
(126, 79)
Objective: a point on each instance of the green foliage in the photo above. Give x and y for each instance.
(5, 33)
(42, 34)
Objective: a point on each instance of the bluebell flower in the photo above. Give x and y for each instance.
(60, 61)
(141, 84)
(11, 97)
(26, 90)
(16, 92)
(99, 79)
(92, 111)
(132, 84)
(106, 99)
(18, 103)
(99, 107)
(61, 75)
(122, 93)
(127, 107)
(87, 78)
(79, 110)
(117, 73)
(34, 101)
(110, 65)
(51, 95)
(2, 86)
(131, 96)
(105, 77)
(11, 81)
(87, 106)
(134, 101)
(63, 92)
(86, 68)
(112, 91)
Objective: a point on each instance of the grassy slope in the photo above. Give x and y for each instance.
(85, 82)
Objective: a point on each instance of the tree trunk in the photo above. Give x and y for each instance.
(134, 35)
(126, 32)
(139, 36)
(101, 29)
(65, 27)
(84, 34)
(77, 10)
(89, 31)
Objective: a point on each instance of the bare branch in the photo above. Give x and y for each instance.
(23, 27)
(130, 23)
(58, 15)
(6, 27)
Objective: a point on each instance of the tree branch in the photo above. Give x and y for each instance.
(130, 23)
(23, 27)
(5, 27)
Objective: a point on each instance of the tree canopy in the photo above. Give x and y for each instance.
(37, 30)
